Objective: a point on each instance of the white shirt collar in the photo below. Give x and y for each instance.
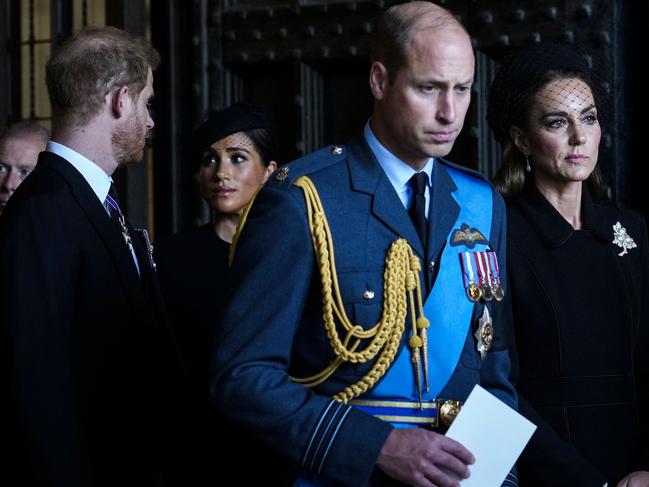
(95, 176)
(397, 171)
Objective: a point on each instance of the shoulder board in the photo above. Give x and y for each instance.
(284, 176)
(466, 170)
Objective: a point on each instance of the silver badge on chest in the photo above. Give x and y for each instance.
(485, 333)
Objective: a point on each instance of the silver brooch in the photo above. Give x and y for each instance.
(622, 239)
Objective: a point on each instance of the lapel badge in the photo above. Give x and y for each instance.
(148, 245)
(485, 333)
(368, 294)
(622, 239)
(282, 172)
(467, 236)
(336, 150)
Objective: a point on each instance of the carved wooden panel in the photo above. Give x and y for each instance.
(307, 61)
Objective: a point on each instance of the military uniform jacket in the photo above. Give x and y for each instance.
(273, 324)
(88, 369)
(582, 332)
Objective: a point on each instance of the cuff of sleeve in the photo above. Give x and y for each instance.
(511, 480)
(350, 455)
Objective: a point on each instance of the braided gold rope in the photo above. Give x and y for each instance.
(401, 278)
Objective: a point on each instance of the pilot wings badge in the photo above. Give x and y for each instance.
(467, 236)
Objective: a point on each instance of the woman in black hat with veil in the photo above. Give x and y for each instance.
(579, 277)
(234, 148)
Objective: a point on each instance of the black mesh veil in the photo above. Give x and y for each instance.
(543, 86)
(521, 72)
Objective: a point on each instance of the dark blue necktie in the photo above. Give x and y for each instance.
(417, 209)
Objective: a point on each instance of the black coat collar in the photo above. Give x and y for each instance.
(553, 228)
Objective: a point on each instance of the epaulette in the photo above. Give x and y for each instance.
(284, 176)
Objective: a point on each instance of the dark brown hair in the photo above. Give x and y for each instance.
(510, 178)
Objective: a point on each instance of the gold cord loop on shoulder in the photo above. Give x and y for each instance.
(401, 280)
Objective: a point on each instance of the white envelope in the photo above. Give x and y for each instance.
(494, 433)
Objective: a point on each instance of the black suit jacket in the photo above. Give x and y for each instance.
(88, 367)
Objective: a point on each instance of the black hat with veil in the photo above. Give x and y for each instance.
(550, 77)
(521, 74)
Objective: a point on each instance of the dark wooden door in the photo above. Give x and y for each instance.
(307, 62)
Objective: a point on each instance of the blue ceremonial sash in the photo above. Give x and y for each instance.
(447, 307)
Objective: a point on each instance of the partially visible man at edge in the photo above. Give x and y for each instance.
(88, 368)
(20, 145)
(317, 390)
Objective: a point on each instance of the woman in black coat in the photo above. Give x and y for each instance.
(192, 268)
(579, 278)
(234, 147)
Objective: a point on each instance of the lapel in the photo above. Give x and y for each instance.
(597, 218)
(443, 210)
(553, 229)
(101, 222)
(368, 177)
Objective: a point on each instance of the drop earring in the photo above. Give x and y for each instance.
(528, 168)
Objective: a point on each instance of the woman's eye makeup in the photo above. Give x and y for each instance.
(209, 160)
(555, 123)
(238, 158)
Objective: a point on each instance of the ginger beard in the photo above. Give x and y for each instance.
(129, 140)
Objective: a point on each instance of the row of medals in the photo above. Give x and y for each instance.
(486, 292)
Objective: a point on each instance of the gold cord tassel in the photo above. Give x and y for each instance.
(422, 322)
(415, 350)
(415, 342)
(422, 325)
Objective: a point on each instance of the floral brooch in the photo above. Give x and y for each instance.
(622, 239)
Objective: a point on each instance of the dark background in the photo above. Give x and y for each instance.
(307, 63)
